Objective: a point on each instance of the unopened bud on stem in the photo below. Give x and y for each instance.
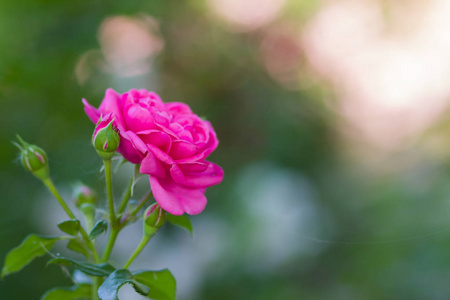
(85, 199)
(83, 194)
(154, 218)
(105, 138)
(34, 159)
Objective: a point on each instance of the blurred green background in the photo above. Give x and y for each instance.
(333, 128)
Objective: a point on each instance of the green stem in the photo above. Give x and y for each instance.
(49, 183)
(110, 245)
(126, 197)
(112, 214)
(95, 286)
(144, 241)
(141, 204)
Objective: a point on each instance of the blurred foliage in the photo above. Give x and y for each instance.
(372, 237)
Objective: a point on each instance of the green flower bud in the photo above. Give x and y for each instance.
(88, 209)
(154, 218)
(34, 159)
(83, 194)
(105, 138)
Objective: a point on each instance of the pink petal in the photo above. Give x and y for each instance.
(159, 154)
(178, 108)
(131, 147)
(136, 140)
(211, 176)
(92, 112)
(138, 118)
(150, 165)
(182, 149)
(177, 199)
(213, 142)
(110, 104)
(177, 175)
(128, 151)
(193, 167)
(158, 138)
(203, 153)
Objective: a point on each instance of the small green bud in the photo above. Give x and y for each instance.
(88, 209)
(105, 138)
(34, 159)
(83, 194)
(154, 218)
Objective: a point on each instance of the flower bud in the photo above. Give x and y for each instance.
(105, 138)
(34, 159)
(83, 194)
(154, 218)
(88, 209)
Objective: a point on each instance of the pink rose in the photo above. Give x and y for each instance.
(169, 141)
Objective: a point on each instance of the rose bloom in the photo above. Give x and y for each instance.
(169, 141)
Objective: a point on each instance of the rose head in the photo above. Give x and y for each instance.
(169, 141)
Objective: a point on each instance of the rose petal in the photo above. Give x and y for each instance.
(150, 165)
(182, 149)
(177, 199)
(92, 112)
(154, 98)
(178, 108)
(177, 175)
(213, 142)
(158, 138)
(159, 154)
(138, 118)
(176, 128)
(110, 104)
(186, 135)
(129, 151)
(204, 152)
(131, 147)
(136, 140)
(193, 167)
(211, 176)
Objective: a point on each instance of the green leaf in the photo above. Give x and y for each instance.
(181, 221)
(110, 287)
(99, 228)
(77, 292)
(78, 246)
(161, 283)
(33, 246)
(70, 227)
(103, 269)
